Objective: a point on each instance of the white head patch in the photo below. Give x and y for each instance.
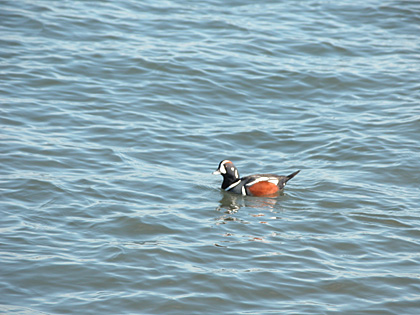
(222, 168)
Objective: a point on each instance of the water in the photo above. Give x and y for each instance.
(114, 114)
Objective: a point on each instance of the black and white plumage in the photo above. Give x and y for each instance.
(252, 185)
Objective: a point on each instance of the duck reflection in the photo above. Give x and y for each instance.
(231, 203)
(257, 206)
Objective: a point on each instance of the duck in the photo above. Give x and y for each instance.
(252, 185)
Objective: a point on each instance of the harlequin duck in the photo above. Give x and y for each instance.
(252, 185)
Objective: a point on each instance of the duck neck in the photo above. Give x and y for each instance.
(227, 181)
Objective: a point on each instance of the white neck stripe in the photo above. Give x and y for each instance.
(233, 185)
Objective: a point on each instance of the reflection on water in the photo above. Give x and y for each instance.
(231, 203)
(258, 210)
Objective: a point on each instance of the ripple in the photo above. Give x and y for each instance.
(114, 115)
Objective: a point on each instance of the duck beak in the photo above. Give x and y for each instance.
(217, 172)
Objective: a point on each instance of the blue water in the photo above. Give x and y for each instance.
(115, 113)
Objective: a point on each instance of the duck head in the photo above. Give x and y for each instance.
(228, 171)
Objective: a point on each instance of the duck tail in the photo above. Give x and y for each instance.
(289, 177)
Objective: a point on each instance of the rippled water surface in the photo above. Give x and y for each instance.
(115, 113)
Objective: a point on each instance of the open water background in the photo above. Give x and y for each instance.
(115, 113)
